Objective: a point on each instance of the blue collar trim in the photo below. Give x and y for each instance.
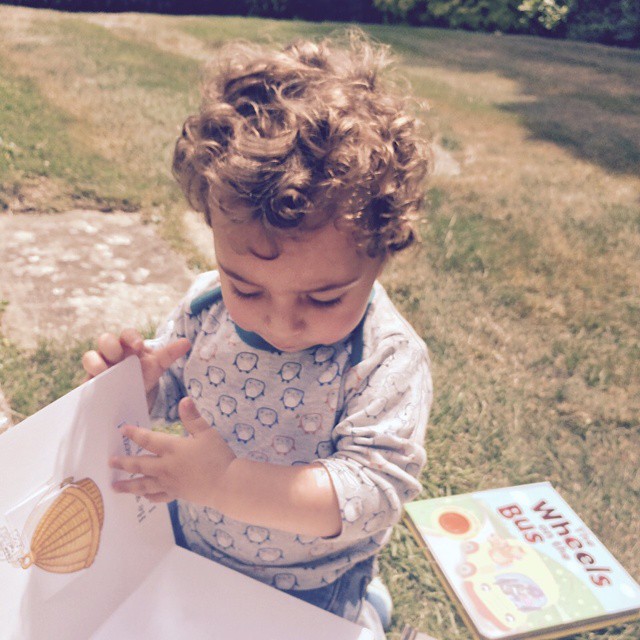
(205, 301)
(254, 340)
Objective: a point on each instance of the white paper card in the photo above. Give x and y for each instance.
(103, 565)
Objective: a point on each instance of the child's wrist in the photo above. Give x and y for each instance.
(226, 492)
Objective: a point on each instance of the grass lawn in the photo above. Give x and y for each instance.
(526, 286)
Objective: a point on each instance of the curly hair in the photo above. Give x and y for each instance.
(300, 136)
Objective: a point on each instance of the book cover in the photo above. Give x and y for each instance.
(520, 563)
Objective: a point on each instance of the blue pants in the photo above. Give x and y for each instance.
(345, 597)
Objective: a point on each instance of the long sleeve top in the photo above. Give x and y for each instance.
(359, 407)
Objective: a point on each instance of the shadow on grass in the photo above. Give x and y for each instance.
(581, 96)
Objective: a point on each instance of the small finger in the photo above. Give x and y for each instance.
(190, 417)
(158, 497)
(132, 342)
(151, 441)
(137, 486)
(169, 354)
(110, 348)
(147, 465)
(93, 363)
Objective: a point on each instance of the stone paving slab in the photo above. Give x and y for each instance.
(79, 273)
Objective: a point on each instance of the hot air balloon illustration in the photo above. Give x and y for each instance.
(67, 535)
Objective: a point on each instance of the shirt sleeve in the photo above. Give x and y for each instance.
(181, 323)
(170, 386)
(379, 441)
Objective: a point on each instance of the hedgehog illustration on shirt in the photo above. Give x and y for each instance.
(253, 388)
(267, 416)
(257, 535)
(311, 422)
(210, 325)
(329, 374)
(216, 375)
(246, 361)
(285, 581)
(194, 388)
(283, 444)
(289, 371)
(243, 432)
(292, 398)
(323, 354)
(227, 405)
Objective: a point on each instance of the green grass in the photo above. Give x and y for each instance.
(215, 31)
(525, 285)
(31, 380)
(116, 61)
(39, 140)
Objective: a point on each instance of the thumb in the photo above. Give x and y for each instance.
(192, 421)
(167, 355)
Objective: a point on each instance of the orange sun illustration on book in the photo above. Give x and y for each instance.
(67, 536)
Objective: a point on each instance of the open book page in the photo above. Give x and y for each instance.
(79, 561)
(187, 596)
(72, 548)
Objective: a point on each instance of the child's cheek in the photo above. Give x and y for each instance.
(343, 323)
(237, 309)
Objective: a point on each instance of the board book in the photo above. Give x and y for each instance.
(519, 563)
(79, 561)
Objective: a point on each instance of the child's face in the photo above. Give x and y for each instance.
(314, 292)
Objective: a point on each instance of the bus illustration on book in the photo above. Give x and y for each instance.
(505, 581)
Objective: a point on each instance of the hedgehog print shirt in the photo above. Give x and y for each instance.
(359, 407)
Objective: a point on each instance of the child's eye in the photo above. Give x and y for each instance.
(244, 294)
(326, 303)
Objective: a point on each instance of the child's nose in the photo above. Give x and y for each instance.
(285, 319)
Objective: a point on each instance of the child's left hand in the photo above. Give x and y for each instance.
(191, 468)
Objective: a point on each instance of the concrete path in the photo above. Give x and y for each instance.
(80, 273)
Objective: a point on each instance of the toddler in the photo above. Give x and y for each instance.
(304, 393)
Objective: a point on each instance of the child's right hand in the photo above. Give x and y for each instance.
(155, 362)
